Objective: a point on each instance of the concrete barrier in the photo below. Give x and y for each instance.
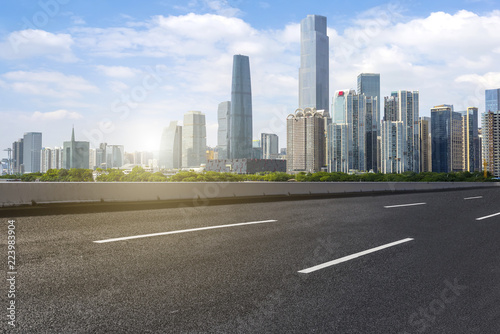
(17, 193)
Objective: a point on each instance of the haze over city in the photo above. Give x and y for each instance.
(126, 73)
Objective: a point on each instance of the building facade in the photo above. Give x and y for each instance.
(393, 147)
(32, 148)
(446, 134)
(75, 153)
(240, 118)
(17, 156)
(491, 142)
(269, 143)
(425, 144)
(471, 161)
(305, 141)
(171, 147)
(223, 113)
(194, 140)
(314, 64)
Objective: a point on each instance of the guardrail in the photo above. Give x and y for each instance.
(31, 193)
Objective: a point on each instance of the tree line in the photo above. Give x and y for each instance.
(138, 174)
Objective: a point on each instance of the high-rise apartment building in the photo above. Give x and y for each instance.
(32, 148)
(240, 118)
(57, 158)
(223, 113)
(194, 139)
(75, 153)
(446, 134)
(393, 147)
(491, 142)
(403, 106)
(425, 144)
(347, 139)
(305, 141)
(470, 140)
(45, 159)
(171, 147)
(314, 64)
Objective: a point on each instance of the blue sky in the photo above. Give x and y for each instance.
(120, 71)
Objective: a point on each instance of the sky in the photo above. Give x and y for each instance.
(121, 71)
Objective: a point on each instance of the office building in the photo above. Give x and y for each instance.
(446, 134)
(115, 155)
(492, 100)
(314, 64)
(223, 112)
(75, 153)
(305, 141)
(32, 148)
(425, 144)
(17, 156)
(240, 118)
(470, 140)
(171, 147)
(194, 141)
(369, 84)
(269, 143)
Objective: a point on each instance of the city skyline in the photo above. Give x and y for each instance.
(96, 76)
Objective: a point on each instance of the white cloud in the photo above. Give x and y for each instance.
(120, 72)
(55, 115)
(32, 43)
(49, 84)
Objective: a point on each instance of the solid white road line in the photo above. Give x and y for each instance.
(477, 197)
(401, 205)
(182, 231)
(353, 256)
(493, 215)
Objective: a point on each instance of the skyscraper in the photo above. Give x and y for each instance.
(491, 142)
(17, 156)
(369, 84)
(45, 159)
(425, 144)
(446, 134)
(270, 145)
(75, 153)
(492, 100)
(470, 139)
(305, 141)
(171, 147)
(223, 113)
(314, 64)
(194, 139)
(347, 139)
(32, 147)
(393, 147)
(240, 118)
(403, 106)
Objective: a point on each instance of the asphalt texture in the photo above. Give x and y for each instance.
(245, 278)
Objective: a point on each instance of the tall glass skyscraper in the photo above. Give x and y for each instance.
(314, 66)
(446, 134)
(76, 153)
(369, 84)
(240, 118)
(492, 98)
(32, 148)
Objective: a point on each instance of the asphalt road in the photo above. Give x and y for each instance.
(442, 277)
